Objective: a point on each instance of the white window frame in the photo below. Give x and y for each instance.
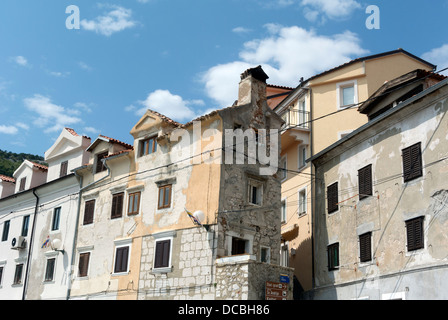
(248, 237)
(259, 186)
(284, 173)
(301, 157)
(339, 88)
(120, 244)
(284, 259)
(88, 249)
(299, 202)
(284, 213)
(268, 259)
(50, 255)
(169, 235)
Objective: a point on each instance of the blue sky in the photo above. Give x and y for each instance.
(181, 58)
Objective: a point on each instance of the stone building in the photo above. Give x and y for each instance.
(381, 193)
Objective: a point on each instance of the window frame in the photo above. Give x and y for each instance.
(304, 204)
(340, 93)
(144, 146)
(333, 199)
(258, 192)
(301, 157)
(56, 214)
(63, 169)
(415, 234)
(365, 182)
(365, 247)
(6, 227)
(410, 172)
(117, 205)
(131, 203)
(333, 256)
(283, 168)
(283, 214)
(91, 215)
(100, 166)
(50, 272)
(85, 265)
(118, 249)
(162, 191)
(158, 265)
(25, 225)
(22, 185)
(18, 275)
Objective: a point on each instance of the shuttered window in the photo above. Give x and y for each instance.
(134, 203)
(333, 256)
(88, 212)
(83, 265)
(365, 182)
(64, 169)
(99, 164)
(117, 205)
(162, 255)
(414, 231)
(365, 247)
(332, 198)
(412, 162)
(121, 259)
(22, 184)
(49, 272)
(18, 274)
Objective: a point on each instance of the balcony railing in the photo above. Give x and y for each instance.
(296, 119)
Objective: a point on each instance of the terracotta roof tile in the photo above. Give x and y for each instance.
(118, 142)
(165, 118)
(7, 179)
(39, 166)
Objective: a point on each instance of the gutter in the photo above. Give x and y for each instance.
(27, 272)
(75, 237)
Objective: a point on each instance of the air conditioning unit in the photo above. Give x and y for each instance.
(18, 243)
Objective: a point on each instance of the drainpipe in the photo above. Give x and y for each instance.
(75, 237)
(313, 193)
(25, 283)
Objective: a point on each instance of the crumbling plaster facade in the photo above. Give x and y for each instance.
(394, 271)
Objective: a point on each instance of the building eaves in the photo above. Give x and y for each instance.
(7, 179)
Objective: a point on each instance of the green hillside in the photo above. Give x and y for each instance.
(10, 161)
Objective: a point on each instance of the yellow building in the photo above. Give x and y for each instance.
(319, 112)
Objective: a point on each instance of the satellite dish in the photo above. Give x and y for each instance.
(199, 215)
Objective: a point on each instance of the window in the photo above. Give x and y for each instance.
(99, 164)
(162, 253)
(302, 202)
(49, 272)
(333, 256)
(56, 218)
(18, 274)
(412, 162)
(239, 246)
(283, 168)
(1, 275)
(64, 169)
(265, 254)
(283, 212)
(365, 247)
(134, 203)
(88, 212)
(117, 205)
(25, 224)
(121, 259)
(365, 182)
(284, 255)
(148, 146)
(332, 198)
(5, 230)
(414, 231)
(347, 93)
(164, 196)
(22, 184)
(255, 192)
(83, 265)
(302, 157)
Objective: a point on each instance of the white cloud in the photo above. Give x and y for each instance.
(50, 115)
(241, 30)
(8, 129)
(84, 66)
(286, 55)
(439, 57)
(168, 104)
(333, 9)
(116, 20)
(20, 60)
(91, 130)
(22, 125)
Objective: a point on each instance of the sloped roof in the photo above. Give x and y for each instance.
(110, 140)
(7, 179)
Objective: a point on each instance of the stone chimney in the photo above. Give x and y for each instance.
(252, 87)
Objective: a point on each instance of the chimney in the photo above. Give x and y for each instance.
(252, 87)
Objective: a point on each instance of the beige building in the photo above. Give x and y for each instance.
(176, 215)
(319, 112)
(380, 211)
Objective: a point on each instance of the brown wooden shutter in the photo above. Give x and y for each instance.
(365, 247)
(117, 205)
(333, 256)
(332, 198)
(121, 259)
(365, 182)
(162, 254)
(83, 264)
(415, 236)
(412, 162)
(22, 184)
(64, 169)
(88, 211)
(99, 164)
